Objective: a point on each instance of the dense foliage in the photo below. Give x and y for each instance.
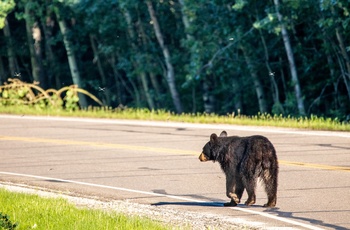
(5, 222)
(287, 57)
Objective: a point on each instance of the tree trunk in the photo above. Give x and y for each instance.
(2, 72)
(13, 65)
(152, 76)
(257, 83)
(144, 82)
(277, 107)
(185, 20)
(170, 69)
(101, 71)
(290, 55)
(330, 62)
(346, 75)
(31, 33)
(332, 71)
(156, 87)
(137, 64)
(208, 96)
(71, 57)
(238, 96)
(132, 91)
(52, 70)
(119, 89)
(190, 38)
(39, 55)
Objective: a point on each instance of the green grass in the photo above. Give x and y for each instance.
(35, 212)
(312, 122)
(17, 97)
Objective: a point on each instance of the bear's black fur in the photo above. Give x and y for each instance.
(244, 160)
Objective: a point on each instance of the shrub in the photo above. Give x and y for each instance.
(5, 222)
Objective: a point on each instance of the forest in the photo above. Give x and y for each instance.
(284, 57)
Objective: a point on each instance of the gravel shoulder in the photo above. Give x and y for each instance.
(168, 216)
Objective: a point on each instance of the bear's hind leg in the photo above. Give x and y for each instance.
(271, 191)
(250, 186)
(270, 181)
(271, 202)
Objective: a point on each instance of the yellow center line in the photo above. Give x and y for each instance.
(158, 150)
(317, 166)
(95, 144)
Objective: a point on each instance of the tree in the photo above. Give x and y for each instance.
(277, 107)
(292, 66)
(257, 83)
(193, 61)
(13, 64)
(343, 49)
(72, 61)
(101, 70)
(137, 63)
(52, 69)
(242, 56)
(170, 75)
(34, 44)
(5, 8)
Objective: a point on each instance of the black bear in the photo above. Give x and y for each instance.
(244, 160)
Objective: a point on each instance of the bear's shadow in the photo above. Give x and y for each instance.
(189, 203)
(211, 204)
(274, 210)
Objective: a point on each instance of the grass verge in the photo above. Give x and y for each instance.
(34, 212)
(312, 122)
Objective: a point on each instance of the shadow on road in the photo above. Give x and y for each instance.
(188, 203)
(290, 215)
(56, 181)
(276, 211)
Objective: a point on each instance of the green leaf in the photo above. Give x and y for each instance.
(239, 5)
(6, 6)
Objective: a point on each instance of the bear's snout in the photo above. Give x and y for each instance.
(202, 157)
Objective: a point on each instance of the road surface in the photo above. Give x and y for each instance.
(157, 163)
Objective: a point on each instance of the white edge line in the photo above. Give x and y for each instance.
(261, 129)
(282, 219)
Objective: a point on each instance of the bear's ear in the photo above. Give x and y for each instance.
(213, 138)
(223, 134)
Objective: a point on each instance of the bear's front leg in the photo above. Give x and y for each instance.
(234, 197)
(230, 188)
(232, 203)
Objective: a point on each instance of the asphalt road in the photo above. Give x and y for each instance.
(157, 163)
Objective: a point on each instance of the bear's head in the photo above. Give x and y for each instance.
(209, 152)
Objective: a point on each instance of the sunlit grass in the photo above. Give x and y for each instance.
(312, 122)
(34, 212)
